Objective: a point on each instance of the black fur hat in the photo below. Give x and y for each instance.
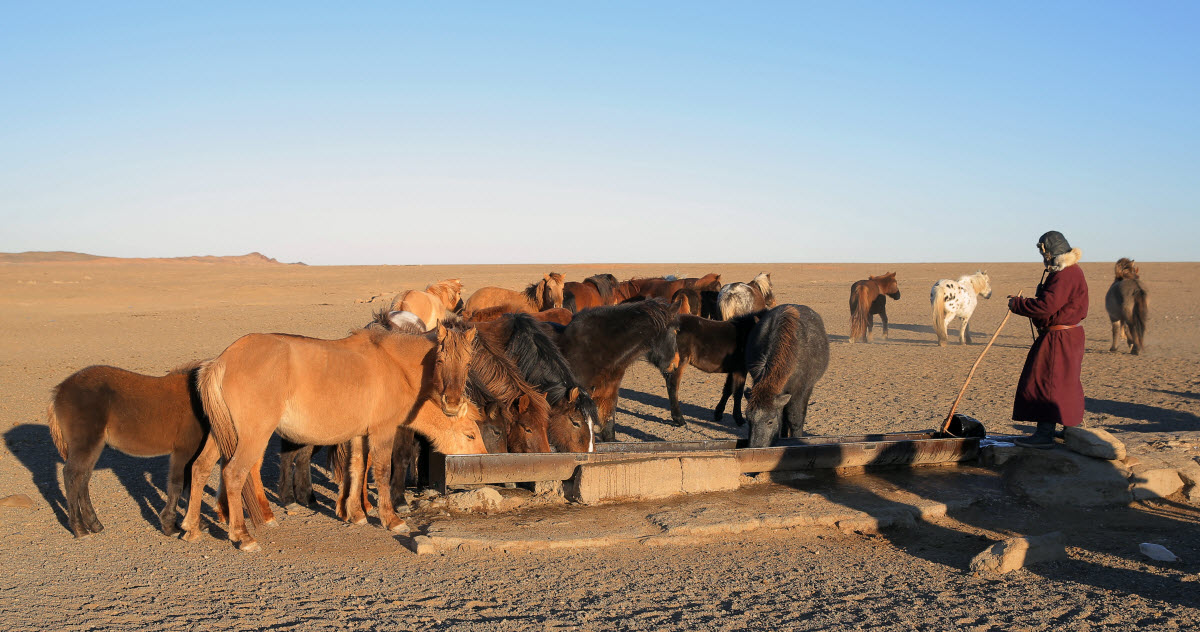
(1053, 244)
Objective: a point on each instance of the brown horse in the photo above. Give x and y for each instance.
(432, 305)
(713, 346)
(664, 287)
(594, 291)
(139, 415)
(558, 315)
(736, 299)
(540, 295)
(866, 300)
(324, 392)
(1127, 305)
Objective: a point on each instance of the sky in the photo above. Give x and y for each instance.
(592, 132)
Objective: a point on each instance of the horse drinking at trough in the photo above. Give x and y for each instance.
(139, 415)
(539, 295)
(956, 299)
(326, 392)
(601, 343)
(1127, 306)
(713, 346)
(736, 299)
(786, 353)
(867, 298)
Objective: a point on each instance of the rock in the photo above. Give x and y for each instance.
(17, 501)
(1190, 473)
(1155, 483)
(1157, 552)
(1053, 478)
(1094, 442)
(484, 499)
(1132, 461)
(997, 453)
(1014, 553)
(548, 488)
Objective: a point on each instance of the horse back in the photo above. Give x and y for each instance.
(710, 345)
(787, 351)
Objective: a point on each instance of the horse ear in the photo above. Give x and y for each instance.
(782, 399)
(441, 333)
(573, 395)
(522, 403)
(471, 331)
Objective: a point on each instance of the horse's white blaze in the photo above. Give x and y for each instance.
(591, 434)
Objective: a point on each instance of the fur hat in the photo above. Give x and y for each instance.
(1053, 244)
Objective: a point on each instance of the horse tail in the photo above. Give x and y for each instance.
(56, 434)
(1139, 314)
(938, 298)
(209, 382)
(860, 311)
(779, 362)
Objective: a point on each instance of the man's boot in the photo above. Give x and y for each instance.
(1042, 438)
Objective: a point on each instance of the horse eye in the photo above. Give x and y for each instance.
(528, 431)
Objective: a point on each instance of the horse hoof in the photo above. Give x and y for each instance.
(190, 536)
(399, 526)
(249, 546)
(360, 520)
(271, 523)
(678, 423)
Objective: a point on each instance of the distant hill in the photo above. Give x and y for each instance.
(254, 258)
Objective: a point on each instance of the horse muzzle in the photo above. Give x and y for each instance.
(455, 410)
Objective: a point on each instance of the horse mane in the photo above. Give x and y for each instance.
(447, 290)
(778, 363)
(497, 376)
(187, 367)
(978, 280)
(604, 284)
(763, 282)
(1124, 269)
(538, 358)
(534, 292)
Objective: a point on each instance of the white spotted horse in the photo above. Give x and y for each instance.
(956, 299)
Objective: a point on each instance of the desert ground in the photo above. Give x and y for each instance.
(315, 572)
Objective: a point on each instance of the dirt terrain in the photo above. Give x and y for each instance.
(315, 572)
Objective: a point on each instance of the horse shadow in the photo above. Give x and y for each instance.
(144, 479)
(693, 414)
(1157, 419)
(1183, 394)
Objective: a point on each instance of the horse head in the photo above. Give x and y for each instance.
(572, 422)
(528, 424)
(887, 284)
(552, 290)
(765, 418)
(455, 345)
(982, 284)
(763, 281)
(1125, 269)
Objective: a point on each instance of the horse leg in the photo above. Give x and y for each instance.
(964, 335)
(381, 446)
(673, 378)
(76, 473)
(246, 455)
(883, 319)
(176, 473)
(260, 495)
(605, 395)
(404, 448)
(739, 387)
(726, 391)
(796, 410)
(287, 465)
(302, 475)
(355, 483)
(201, 469)
(1116, 333)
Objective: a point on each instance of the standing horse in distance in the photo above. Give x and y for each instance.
(325, 392)
(601, 343)
(539, 295)
(956, 299)
(867, 298)
(786, 353)
(736, 299)
(594, 291)
(431, 305)
(1127, 305)
(142, 416)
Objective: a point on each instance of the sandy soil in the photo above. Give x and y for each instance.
(317, 573)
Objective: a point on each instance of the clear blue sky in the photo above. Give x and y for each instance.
(601, 132)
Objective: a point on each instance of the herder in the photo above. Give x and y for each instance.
(1049, 391)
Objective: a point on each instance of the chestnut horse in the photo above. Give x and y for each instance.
(594, 291)
(601, 343)
(866, 300)
(786, 353)
(736, 299)
(540, 295)
(713, 346)
(1127, 306)
(432, 305)
(325, 392)
(139, 415)
(558, 315)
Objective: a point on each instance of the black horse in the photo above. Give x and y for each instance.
(786, 353)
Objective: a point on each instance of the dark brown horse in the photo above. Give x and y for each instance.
(866, 300)
(1127, 305)
(601, 343)
(786, 353)
(701, 303)
(664, 287)
(712, 346)
(139, 415)
(594, 291)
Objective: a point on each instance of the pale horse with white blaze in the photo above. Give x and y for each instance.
(956, 299)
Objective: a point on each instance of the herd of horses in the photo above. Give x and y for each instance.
(536, 370)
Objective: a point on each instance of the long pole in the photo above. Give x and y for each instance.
(950, 416)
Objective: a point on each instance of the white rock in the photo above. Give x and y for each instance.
(1157, 552)
(1094, 442)
(1014, 553)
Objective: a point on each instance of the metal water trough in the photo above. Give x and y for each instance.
(960, 443)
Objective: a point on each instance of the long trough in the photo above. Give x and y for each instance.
(809, 453)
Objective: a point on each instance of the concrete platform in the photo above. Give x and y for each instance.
(866, 502)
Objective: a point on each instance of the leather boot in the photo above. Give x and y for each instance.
(1042, 438)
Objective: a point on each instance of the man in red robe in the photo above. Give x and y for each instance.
(1050, 391)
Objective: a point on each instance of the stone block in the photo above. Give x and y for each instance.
(709, 474)
(1155, 483)
(1054, 478)
(1015, 553)
(643, 479)
(998, 453)
(1094, 442)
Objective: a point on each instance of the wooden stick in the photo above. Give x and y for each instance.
(950, 417)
